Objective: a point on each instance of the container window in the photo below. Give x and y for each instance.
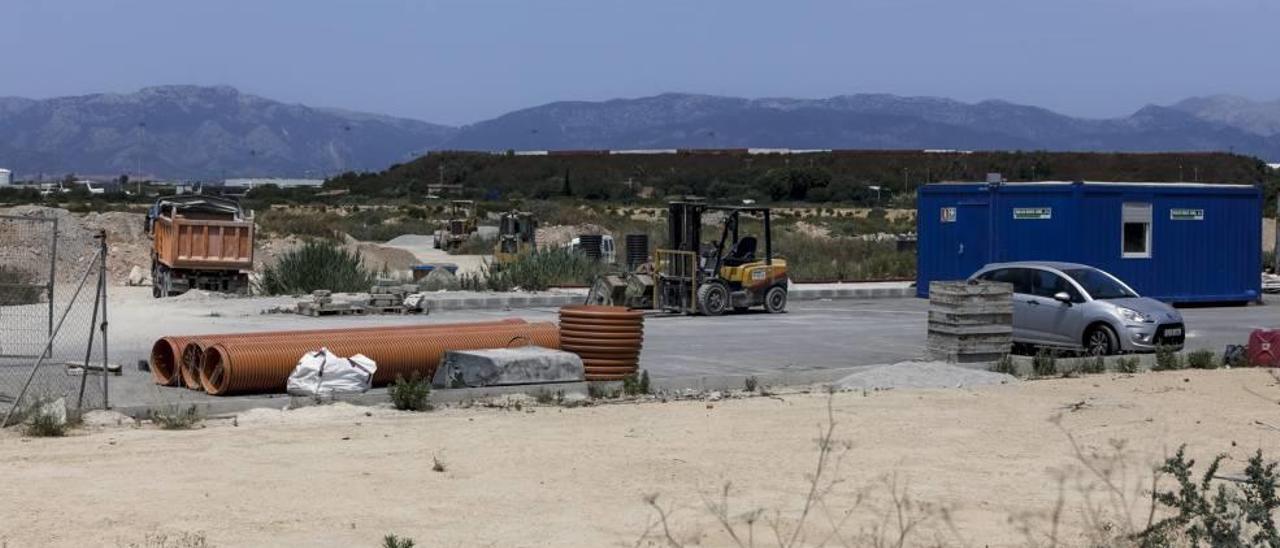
(1136, 234)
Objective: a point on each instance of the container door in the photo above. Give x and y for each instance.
(964, 240)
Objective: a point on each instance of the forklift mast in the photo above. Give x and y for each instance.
(684, 225)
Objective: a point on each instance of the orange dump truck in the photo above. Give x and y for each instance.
(199, 242)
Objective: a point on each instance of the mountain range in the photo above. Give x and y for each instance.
(208, 132)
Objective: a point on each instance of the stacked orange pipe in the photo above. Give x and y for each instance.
(607, 338)
(165, 355)
(192, 351)
(264, 364)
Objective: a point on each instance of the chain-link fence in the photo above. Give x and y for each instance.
(52, 335)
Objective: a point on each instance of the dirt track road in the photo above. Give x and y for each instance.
(548, 476)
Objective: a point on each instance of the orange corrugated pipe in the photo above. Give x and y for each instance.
(165, 355)
(193, 354)
(192, 350)
(607, 338)
(263, 365)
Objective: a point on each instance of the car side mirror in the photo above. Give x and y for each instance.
(1062, 297)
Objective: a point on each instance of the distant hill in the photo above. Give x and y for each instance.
(850, 121)
(1258, 117)
(190, 131)
(199, 132)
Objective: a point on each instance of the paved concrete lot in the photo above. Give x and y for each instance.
(1214, 328)
(812, 335)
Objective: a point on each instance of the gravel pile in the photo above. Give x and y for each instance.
(129, 245)
(920, 375)
(552, 236)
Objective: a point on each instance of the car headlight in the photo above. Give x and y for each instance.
(1134, 316)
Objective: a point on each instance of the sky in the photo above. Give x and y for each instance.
(462, 61)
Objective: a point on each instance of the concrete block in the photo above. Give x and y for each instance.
(971, 329)
(507, 366)
(962, 318)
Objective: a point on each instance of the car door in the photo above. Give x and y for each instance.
(1049, 319)
(1017, 277)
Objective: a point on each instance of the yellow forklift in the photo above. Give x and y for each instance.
(517, 235)
(693, 277)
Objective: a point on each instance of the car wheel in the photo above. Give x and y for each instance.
(775, 301)
(1100, 340)
(713, 299)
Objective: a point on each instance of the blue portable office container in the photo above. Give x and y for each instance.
(1176, 242)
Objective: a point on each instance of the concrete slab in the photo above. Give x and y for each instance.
(507, 366)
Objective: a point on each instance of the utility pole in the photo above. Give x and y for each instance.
(1275, 251)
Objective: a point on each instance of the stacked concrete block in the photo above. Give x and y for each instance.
(387, 298)
(970, 322)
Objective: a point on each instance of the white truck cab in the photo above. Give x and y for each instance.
(607, 253)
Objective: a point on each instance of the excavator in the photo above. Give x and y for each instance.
(689, 276)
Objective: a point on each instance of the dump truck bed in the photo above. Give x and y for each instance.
(187, 243)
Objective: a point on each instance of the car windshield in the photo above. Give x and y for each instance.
(1098, 284)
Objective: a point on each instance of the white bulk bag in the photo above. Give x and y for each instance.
(321, 373)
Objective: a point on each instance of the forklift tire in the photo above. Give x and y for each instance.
(713, 299)
(775, 300)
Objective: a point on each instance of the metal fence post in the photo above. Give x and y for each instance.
(102, 273)
(53, 271)
(88, 348)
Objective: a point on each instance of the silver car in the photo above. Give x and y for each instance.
(1076, 306)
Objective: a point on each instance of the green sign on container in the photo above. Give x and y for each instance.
(1026, 213)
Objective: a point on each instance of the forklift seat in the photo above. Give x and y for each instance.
(742, 253)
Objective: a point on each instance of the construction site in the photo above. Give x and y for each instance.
(697, 382)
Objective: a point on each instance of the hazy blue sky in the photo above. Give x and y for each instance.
(465, 60)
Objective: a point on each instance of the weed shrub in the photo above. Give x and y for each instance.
(605, 391)
(636, 384)
(411, 394)
(316, 265)
(536, 271)
(1005, 365)
(392, 541)
(18, 286)
(381, 232)
(1127, 365)
(1167, 359)
(1240, 514)
(750, 384)
(176, 418)
(299, 223)
(43, 424)
(1094, 366)
(1045, 363)
(812, 258)
(1202, 359)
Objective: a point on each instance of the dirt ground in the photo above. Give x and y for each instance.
(976, 465)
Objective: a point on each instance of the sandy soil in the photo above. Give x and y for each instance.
(548, 476)
(420, 246)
